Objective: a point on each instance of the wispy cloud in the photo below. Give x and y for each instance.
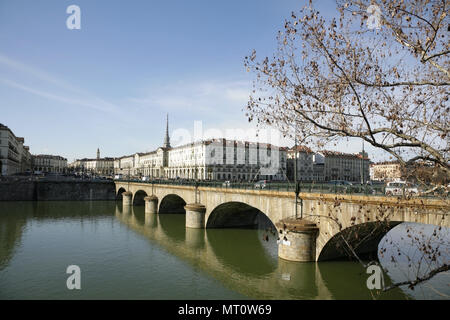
(50, 87)
(239, 95)
(94, 104)
(34, 72)
(214, 96)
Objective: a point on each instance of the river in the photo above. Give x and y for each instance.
(127, 254)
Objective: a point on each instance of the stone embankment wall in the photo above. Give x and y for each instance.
(23, 190)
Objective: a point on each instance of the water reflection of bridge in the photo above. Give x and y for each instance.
(243, 262)
(237, 258)
(331, 216)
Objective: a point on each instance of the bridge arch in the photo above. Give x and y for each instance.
(279, 205)
(172, 203)
(138, 198)
(236, 214)
(119, 193)
(363, 238)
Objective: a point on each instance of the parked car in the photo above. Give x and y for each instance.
(145, 178)
(340, 186)
(261, 184)
(442, 191)
(366, 188)
(118, 176)
(226, 184)
(399, 188)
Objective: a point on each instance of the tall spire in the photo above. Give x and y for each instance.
(98, 153)
(166, 138)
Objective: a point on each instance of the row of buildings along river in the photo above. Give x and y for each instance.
(222, 159)
(244, 162)
(212, 159)
(16, 158)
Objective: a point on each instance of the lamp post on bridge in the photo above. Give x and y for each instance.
(129, 175)
(297, 183)
(196, 190)
(195, 212)
(297, 236)
(151, 202)
(153, 182)
(127, 197)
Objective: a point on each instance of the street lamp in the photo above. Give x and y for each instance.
(128, 177)
(153, 182)
(297, 183)
(361, 166)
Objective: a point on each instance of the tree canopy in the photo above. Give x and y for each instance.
(379, 71)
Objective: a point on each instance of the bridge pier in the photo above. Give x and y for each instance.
(357, 214)
(195, 215)
(151, 204)
(297, 240)
(127, 199)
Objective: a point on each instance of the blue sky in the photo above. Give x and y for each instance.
(110, 84)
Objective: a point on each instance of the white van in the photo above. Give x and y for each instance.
(399, 188)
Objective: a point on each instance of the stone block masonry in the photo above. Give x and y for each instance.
(56, 190)
(330, 216)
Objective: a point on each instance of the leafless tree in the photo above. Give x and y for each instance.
(379, 72)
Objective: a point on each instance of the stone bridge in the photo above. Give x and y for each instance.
(254, 273)
(328, 220)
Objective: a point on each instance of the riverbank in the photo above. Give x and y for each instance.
(73, 190)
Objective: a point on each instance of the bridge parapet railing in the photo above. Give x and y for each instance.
(310, 187)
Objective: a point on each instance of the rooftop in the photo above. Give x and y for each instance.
(384, 163)
(300, 149)
(337, 154)
(49, 156)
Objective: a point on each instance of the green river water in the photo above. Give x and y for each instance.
(131, 255)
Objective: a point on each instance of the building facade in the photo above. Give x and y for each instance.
(353, 167)
(15, 157)
(305, 163)
(214, 159)
(100, 166)
(327, 165)
(27, 161)
(46, 163)
(386, 171)
(222, 159)
(218, 159)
